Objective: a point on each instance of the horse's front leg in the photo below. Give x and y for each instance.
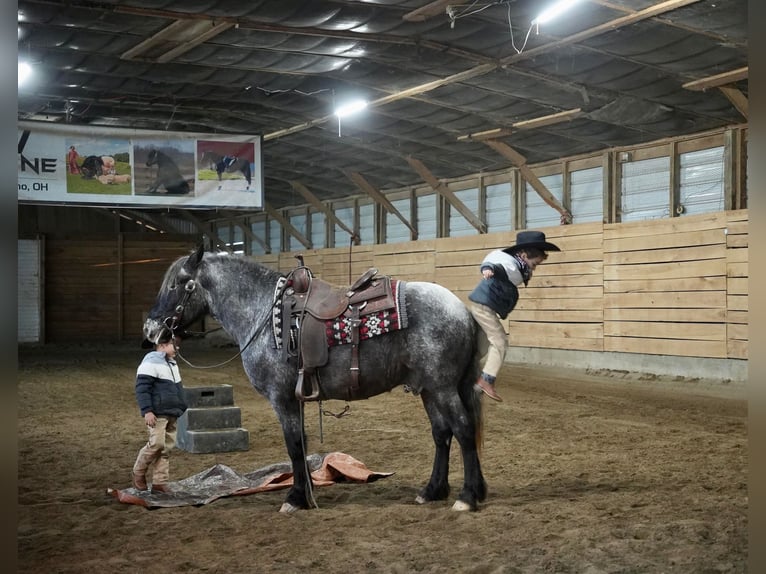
(154, 186)
(299, 496)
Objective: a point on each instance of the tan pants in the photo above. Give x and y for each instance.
(162, 439)
(496, 336)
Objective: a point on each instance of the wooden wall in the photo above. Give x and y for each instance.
(661, 287)
(101, 288)
(674, 287)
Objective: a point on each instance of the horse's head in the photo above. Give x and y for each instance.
(152, 157)
(179, 301)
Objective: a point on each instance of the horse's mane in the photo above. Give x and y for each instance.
(240, 264)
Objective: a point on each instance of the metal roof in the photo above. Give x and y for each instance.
(440, 79)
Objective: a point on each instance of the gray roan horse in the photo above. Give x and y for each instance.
(435, 356)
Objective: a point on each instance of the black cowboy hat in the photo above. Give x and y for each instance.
(531, 239)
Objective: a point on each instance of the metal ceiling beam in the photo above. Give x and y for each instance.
(427, 11)
(723, 82)
(737, 98)
(718, 80)
(196, 41)
(441, 188)
(329, 213)
(548, 120)
(521, 163)
(368, 188)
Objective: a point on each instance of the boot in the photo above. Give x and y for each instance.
(488, 389)
(139, 481)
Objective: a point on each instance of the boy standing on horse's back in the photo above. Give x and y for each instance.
(503, 270)
(160, 397)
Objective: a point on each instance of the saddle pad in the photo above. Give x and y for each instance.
(338, 330)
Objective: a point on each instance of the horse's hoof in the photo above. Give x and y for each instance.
(420, 500)
(288, 508)
(461, 506)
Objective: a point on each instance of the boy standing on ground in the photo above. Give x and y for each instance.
(160, 397)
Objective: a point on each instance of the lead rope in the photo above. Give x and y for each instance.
(307, 470)
(242, 350)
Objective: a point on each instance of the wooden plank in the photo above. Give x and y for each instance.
(693, 253)
(737, 316)
(404, 247)
(672, 240)
(678, 270)
(672, 347)
(737, 270)
(715, 283)
(482, 243)
(737, 215)
(595, 304)
(581, 268)
(561, 292)
(738, 227)
(580, 344)
(614, 231)
(690, 300)
(574, 256)
(737, 349)
(670, 315)
(737, 332)
(737, 285)
(593, 280)
(737, 241)
(556, 315)
(560, 330)
(737, 256)
(666, 330)
(737, 302)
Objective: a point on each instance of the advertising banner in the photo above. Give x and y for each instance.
(87, 165)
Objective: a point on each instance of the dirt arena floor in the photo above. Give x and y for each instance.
(587, 474)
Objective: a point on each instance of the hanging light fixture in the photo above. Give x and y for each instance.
(553, 11)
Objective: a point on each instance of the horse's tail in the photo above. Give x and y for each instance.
(471, 399)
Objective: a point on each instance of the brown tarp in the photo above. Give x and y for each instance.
(220, 480)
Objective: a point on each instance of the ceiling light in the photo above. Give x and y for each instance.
(350, 108)
(554, 10)
(25, 71)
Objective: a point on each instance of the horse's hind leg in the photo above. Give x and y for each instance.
(467, 428)
(453, 414)
(247, 174)
(438, 485)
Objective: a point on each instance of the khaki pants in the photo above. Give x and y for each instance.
(162, 439)
(496, 336)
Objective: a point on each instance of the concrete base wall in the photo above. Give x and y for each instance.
(722, 370)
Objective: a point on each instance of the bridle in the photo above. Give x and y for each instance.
(171, 324)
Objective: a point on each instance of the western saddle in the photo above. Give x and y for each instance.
(309, 302)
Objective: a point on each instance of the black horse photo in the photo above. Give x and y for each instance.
(221, 164)
(416, 334)
(168, 174)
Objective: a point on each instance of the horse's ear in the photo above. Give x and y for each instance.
(194, 259)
